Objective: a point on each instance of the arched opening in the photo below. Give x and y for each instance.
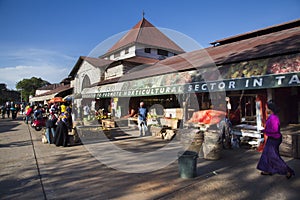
(86, 82)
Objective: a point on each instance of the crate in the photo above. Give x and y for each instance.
(174, 113)
(108, 124)
(173, 123)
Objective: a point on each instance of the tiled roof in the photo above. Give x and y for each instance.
(141, 60)
(268, 45)
(56, 90)
(49, 87)
(260, 32)
(97, 62)
(107, 81)
(283, 42)
(145, 33)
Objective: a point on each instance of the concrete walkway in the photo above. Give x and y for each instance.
(32, 170)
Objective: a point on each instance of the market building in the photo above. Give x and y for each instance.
(263, 62)
(236, 75)
(143, 46)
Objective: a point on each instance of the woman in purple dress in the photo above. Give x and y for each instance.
(270, 161)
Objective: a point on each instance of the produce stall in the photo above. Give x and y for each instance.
(208, 122)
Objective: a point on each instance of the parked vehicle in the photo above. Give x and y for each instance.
(39, 123)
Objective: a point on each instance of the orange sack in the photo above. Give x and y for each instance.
(207, 116)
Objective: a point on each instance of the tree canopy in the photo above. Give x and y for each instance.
(29, 86)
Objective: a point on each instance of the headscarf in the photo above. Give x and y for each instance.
(272, 106)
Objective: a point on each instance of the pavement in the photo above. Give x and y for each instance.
(33, 170)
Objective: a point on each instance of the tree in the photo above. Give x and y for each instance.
(29, 86)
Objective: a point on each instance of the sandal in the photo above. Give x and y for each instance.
(266, 173)
(289, 175)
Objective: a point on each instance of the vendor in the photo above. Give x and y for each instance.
(131, 113)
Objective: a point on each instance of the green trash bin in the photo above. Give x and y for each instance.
(187, 163)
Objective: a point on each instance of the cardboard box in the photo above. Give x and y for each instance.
(174, 113)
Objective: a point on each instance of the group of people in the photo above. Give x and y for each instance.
(58, 126)
(58, 121)
(10, 109)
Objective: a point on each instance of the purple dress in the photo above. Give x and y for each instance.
(270, 160)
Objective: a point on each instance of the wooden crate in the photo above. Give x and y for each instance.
(108, 124)
(173, 123)
(174, 113)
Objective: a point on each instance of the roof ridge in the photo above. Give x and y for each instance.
(137, 35)
(140, 29)
(258, 32)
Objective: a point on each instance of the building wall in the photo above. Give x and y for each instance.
(127, 52)
(91, 71)
(137, 50)
(114, 72)
(72, 83)
(140, 51)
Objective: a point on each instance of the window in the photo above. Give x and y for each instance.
(147, 50)
(126, 51)
(117, 55)
(85, 82)
(162, 52)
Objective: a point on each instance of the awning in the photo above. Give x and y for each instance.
(42, 98)
(59, 91)
(90, 92)
(69, 97)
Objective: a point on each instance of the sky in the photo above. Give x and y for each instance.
(44, 38)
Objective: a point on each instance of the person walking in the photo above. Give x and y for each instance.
(270, 161)
(50, 126)
(28, 114)
(142, 119)
(61, 132)
(26, 108)
(13, 110)
(38, 114)
(7, 106)
(63, 108)
(86, 111)
(3, 111)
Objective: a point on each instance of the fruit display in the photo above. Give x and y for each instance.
(244, 69)
(276, 65)
(284, 64)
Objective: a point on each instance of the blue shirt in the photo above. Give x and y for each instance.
(143, 114)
